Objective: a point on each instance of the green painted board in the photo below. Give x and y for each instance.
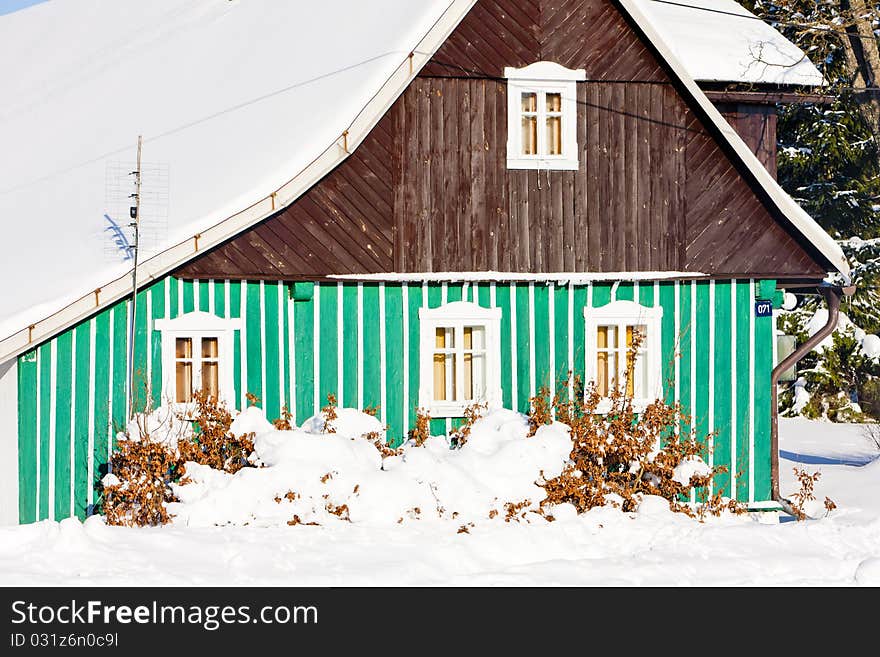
(102, 394)
(523, 356)
(82, 413)
(254, 346)
(304, 355)
(63, 381)
(350, 330)
(722, 391)
(371, 362)
(272, 351)
(394, 410)
(743, 384)
(327, 341)
(45, 392)
(543, 370)
(27, 438)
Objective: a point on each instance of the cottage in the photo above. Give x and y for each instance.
(403, 206)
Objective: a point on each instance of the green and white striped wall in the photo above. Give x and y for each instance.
(360, 342)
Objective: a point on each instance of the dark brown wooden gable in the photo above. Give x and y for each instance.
(429, 190)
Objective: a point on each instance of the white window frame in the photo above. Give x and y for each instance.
(542, 78)
(622, 314)
(457, 315)
(197, 326)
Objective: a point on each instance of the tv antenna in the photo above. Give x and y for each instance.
(135, 216)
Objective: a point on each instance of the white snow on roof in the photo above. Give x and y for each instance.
(720, 40)
(234, 97)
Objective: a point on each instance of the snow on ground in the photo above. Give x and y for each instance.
(604, 547)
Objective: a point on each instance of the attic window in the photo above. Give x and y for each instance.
(542, 116)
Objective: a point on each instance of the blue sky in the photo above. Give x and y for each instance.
(8, 6)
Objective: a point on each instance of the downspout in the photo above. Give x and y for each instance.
(832, 295)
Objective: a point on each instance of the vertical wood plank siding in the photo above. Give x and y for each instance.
(72, 389)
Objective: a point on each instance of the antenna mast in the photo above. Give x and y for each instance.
(135, 214)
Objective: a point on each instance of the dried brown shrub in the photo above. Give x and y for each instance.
(379, 443)
(626, 453)
(214, 444)
(340, 510)
(422, 431)
(145, 471)
(471, 414)
(372, 410)
(806, 493)
(539, 411)
(511, 509)
(329, 413)
(283, 423)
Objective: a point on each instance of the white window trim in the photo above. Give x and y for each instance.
(542, 78)
(621, 314)
(198, 325)
(457, 315)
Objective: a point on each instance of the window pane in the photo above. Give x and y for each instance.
(209, 348)
(183, 348)
(444, 377)
(606, 372)
(554, 102)
(530, 102)
(474, 376)
(439, 377)
(606, 337)
(530, 135)
(475, 337)
(444, 338)
(210, 378)
(183, 371)
(554, 135)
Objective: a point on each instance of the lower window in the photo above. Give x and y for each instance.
(622, 351)
(460, 348)
(197, 356)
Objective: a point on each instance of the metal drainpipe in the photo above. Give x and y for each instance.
(832, 295)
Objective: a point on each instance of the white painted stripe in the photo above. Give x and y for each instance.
(53, 397)
(532, 368)
(340, 336)
(404, 290)
(636, 292)
(677, 315)
(733, 368)
(693, 385)
(586, 355)
(291, 349)
(444, 299)
(493, 295)
(227, 308)
(751, 311)
(148, 337)
(212, 302)
(39, 440)
(90, 454)
(110, 344)
(243, 341)
(166, 289)
(570, 341)
(383, 413)
(71, 440)
(197, 293)
(513, 359)
(316, 349)
(464, 291)
(180, 296)
(614, 287)
(711, 382)
(360, 351)
(282, 345)
(424, 295)
(263, 390)
(551, 322)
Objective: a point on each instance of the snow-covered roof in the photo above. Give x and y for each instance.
(722, 41)
(233, 99)
(241, 125)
